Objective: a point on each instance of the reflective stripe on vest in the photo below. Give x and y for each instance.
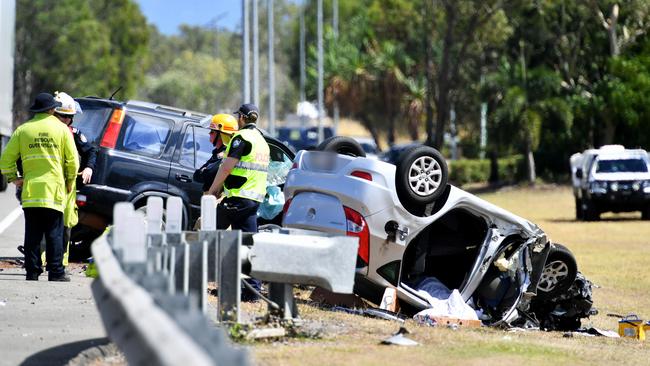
(33, 157)
(253, 166)
(42, 200)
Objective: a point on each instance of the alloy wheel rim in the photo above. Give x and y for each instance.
(425, 175)
(554, 272)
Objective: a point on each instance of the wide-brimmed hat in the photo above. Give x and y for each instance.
(44, 102)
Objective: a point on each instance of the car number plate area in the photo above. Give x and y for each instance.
(317, 211)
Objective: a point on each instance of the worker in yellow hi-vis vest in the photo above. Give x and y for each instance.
(242, 178)
(49, 160)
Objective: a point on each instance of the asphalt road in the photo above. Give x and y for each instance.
(41, 322)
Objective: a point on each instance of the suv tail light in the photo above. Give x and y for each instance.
(356, 226)
(113, 130)
(361, 174)
(81, 200)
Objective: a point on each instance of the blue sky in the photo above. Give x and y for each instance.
(167, 15)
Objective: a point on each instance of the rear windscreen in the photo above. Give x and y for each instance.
(92, 121)
(622, 165)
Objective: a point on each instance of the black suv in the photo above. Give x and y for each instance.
(143, 150)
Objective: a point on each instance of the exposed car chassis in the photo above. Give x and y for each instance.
(501, 263)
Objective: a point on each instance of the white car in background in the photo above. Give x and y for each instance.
(611, 178)
(412, 226)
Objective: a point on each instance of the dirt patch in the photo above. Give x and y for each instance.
(11, 263)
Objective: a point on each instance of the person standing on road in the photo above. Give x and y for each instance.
(242, 177)
(49, 159)
(222, 127)
(87, 156)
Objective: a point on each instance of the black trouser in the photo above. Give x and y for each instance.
(41, 222)
(240, 214)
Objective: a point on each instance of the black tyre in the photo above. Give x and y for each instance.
(342, 145)
(81, 238)
(559, 272)
(589, 213)
(645, 214)
(579, 213)
(421, 175)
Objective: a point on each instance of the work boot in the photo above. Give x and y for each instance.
(31, 277)
(60, 278)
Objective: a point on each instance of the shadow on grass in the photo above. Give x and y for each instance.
(603, 220)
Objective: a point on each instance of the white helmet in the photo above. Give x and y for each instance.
(68, 105)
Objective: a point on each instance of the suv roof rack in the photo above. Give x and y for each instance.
(167, 109)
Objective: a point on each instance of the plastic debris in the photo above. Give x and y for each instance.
(398, 339)
(453, 307)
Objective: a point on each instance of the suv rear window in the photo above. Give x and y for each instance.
(144, 134)
(622, 165)
(92, 121)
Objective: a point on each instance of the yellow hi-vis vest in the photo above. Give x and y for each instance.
(49, 156)
(253, 167)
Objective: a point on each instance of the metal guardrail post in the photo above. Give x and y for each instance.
(282, 294)
(139, 289)
(155, 221)
(229, 276)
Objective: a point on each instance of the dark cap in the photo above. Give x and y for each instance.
(248, 110)
(44, 102)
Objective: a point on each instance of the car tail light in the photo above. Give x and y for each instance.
(285, 208)
(113, 130)
(356, 226)
(81, 200)
(362, 175)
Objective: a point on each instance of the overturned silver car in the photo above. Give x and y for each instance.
(412, 225)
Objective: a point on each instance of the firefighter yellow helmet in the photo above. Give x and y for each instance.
(224, 123)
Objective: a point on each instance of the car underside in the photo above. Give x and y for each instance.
(499, 262)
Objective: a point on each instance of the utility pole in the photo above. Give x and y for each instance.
(271, 69)
(303, 120)
(256, 56)
(246, 83)
(321, 132)
(335, 26)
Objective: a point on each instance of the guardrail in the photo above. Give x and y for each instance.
(152, 285)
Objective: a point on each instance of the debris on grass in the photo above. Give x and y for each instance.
(399, 339)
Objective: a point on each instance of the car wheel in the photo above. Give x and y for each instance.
(589, 212)
(342, 145)
(579, 212)
(645, 214)
(143, 209)
(81, 238)
(421, 175)
(559, 272)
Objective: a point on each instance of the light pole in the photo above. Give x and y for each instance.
(335, 26)
(303, 119)
(246, 91)
(256, 56)
(271, 70)
(320, 72)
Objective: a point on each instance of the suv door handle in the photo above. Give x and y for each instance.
(183, 178)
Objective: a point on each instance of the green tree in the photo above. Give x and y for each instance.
(68, 45)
